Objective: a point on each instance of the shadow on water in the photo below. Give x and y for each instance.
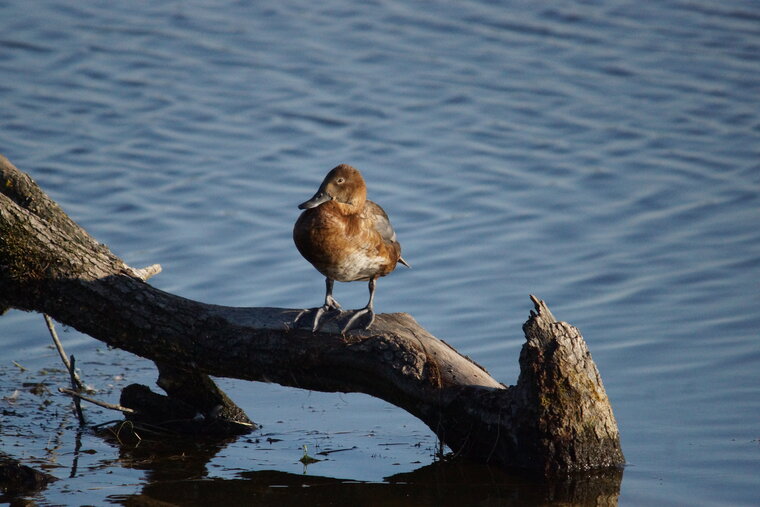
(176, 475)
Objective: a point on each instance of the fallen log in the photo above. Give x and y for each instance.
(556, 418)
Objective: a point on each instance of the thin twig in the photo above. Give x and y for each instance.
(77, 403)
(61, 352)
(99, 403)
(106, 423)
(117, 434)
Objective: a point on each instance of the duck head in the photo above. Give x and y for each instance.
(344, 185)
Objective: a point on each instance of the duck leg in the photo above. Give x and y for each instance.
(330, 304)
(363, 311)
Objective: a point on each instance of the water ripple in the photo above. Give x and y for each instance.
(603, 157)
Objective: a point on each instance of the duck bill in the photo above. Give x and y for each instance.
(320, 197)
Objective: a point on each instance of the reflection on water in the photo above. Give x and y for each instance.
(179, 478)
(601, 156)
(435, 484)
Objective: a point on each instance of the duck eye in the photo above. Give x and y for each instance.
(340, 181)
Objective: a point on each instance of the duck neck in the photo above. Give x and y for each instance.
(353, 205)
(349, 208)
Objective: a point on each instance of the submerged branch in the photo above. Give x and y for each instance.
(64, 358)
(109, 406)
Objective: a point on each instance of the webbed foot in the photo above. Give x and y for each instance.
(354, 321)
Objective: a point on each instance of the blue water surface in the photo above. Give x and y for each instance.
(603, 156)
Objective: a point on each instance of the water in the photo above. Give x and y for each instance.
(602, 156)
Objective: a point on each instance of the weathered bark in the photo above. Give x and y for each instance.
(557, 417)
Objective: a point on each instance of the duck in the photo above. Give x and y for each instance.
(347, 238)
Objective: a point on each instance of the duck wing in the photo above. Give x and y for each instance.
(383, 225)
(381, 222)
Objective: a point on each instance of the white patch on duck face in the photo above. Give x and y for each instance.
(357, 265)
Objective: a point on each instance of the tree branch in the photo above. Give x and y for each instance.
(557, 417)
